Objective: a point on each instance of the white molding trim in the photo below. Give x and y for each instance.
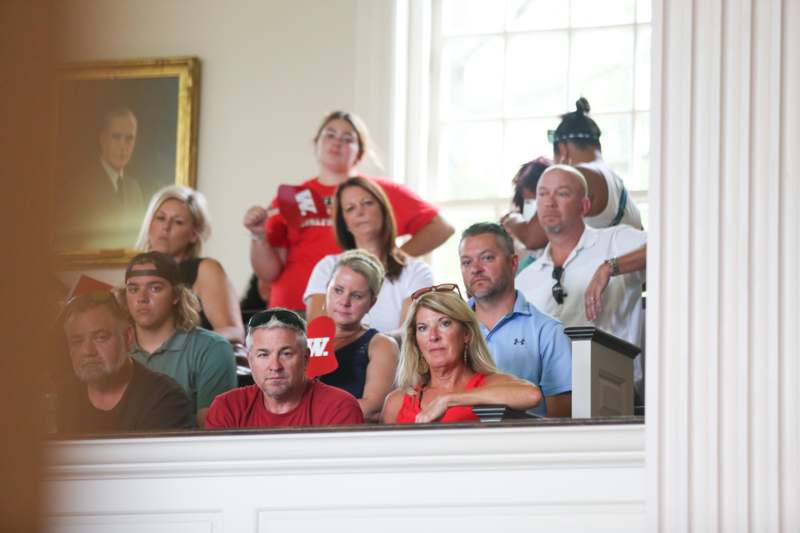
(570, 478)
(453, 449)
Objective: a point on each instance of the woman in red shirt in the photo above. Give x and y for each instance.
(446, 367)
(285, 252)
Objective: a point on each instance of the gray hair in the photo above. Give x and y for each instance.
(275, 323)
(502, 237)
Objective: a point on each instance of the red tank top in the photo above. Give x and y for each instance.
(462, 413)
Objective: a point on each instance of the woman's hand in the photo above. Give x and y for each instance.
(254, 220)
(434, 411)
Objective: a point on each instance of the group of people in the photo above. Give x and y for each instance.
(408, 350)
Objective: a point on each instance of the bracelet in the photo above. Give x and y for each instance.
(257, 237)
(614, 266)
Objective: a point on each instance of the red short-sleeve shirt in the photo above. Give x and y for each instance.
(306, 245)
(321, 405)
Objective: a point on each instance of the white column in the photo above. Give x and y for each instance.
(723, 372)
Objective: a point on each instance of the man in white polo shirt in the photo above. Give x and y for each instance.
(586, 276)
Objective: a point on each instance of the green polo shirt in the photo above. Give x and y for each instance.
(200, 360)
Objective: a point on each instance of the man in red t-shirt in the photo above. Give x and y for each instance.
(282, 395)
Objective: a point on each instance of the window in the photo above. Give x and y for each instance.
(499, 75)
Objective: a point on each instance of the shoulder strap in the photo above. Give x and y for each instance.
(623, 202)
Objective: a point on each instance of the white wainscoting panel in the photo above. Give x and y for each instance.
(569, 478)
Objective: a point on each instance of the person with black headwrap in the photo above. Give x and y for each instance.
(576, 142)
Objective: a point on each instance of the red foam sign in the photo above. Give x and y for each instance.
(298, 204)
(322, 360)
(87, 284)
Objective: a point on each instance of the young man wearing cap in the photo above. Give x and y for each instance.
(165, 315)
(117, 393)
(282, 395)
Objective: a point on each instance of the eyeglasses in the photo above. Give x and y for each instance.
(333, 135)
(558, 290)
(444, 287)
(285, 316)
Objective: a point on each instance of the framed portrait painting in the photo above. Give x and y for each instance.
(125, 130)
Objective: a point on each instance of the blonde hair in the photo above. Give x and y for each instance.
(186, 311)
(194, 201)
(364, 263)
(414, 370)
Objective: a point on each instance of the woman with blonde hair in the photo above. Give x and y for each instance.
(446, 367)
(367, 359)
(177, 223)
(284, 252)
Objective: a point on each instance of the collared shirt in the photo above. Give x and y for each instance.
(621, 313)
(112, 174)
(200, 361)
(530, 345)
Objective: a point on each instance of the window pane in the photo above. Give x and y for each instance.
(642, 91)
(525, 140)
(470, 160)
(640, 174)
(536, 78)
(616, 139)
(444, 260)
(471, 16)
(643, 10)
(536, 14)
(602, 68)
(472, 77)
(606, 13)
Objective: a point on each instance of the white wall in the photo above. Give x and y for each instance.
(270, 70)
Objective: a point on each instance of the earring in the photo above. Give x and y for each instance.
(466, 359)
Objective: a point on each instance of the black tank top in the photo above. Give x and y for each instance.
(353, 360)
(187, 270)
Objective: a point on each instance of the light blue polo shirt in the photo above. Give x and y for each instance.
(531, 345)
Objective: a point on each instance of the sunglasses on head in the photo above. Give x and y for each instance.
(558, 291)
(285, 316)
(444, 287)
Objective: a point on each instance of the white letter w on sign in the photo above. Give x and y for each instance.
(317, 346)
(305, 202)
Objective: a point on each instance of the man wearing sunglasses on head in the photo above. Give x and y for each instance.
(524, 342)
(116, 393)
(282, 394)
(585, 276)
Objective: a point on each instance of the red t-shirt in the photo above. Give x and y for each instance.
(461, 413)
(321, 405)
(306, 245)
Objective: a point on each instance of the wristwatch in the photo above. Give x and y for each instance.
(614, 266)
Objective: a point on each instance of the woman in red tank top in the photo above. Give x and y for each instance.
(446, 367)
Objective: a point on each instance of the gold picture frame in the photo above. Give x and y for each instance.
(125, 129)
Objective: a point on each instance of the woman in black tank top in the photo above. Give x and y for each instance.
(367, 359)
(176, 223)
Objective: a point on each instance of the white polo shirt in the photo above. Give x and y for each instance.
(621, 313)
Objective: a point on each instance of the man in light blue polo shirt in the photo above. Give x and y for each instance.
(524, 341)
